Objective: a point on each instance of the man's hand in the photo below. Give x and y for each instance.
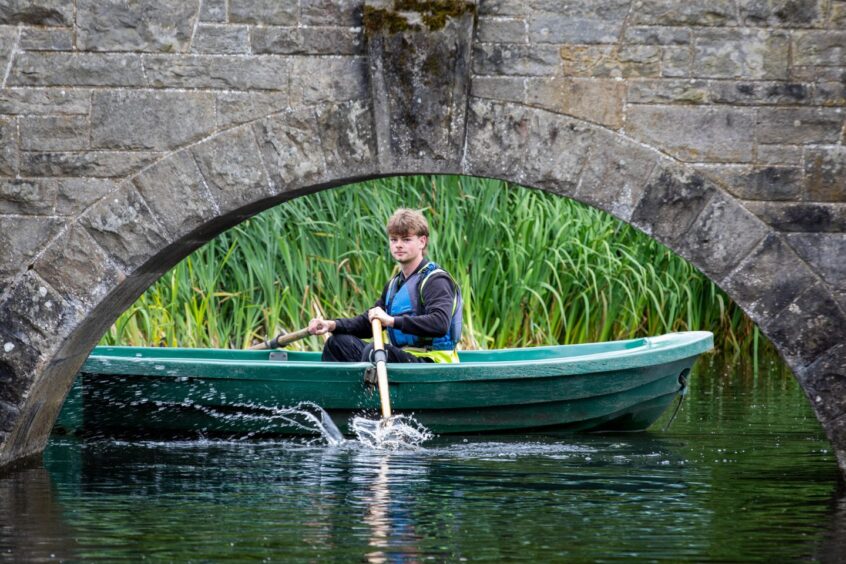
(320, 326)
(379, 313)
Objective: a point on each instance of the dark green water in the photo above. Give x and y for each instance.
(744, 473)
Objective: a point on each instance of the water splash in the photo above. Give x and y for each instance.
(399, 432)
(305, 415)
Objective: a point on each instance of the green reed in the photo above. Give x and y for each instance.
(534, 269)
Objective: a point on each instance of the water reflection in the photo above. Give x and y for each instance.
(743, 473)
(832, 548)
(33, 527)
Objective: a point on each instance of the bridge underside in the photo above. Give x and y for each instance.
(134, 134)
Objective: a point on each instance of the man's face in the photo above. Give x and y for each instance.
(407, 248)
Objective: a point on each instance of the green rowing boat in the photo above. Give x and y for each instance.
(614, 386)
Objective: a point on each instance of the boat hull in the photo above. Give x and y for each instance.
(622, 386)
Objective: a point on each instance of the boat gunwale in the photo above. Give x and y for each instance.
(667, 348)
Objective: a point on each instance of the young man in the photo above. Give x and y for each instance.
(420, 307)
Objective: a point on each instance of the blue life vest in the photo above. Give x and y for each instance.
(408, 300)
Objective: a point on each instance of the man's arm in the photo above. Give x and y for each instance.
(438, 296)
(359, 326)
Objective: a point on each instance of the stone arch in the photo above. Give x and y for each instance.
(120, 245)
(499, 88)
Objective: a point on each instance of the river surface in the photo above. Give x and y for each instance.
(743, 474)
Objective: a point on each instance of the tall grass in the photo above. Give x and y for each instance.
(534, 269)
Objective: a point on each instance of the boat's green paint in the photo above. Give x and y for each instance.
(621, 385)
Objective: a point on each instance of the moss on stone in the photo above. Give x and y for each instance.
(434, 14)
(377, 19)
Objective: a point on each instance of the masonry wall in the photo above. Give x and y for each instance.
(130, 133)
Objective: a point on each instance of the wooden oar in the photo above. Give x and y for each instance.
(282, 340)
(381, 358)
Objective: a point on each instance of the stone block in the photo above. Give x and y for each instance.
(684, 12)
(770, 183)
(214, 11)
(54, 133)
(96, 164)
(783, 13)
(801, 217)
(722, 235)
(504, 8)
(697, 134)
(36, 12)
(328, 79)
(596, 100)
(27, 196)
(234, 108)
(176, 193)
(124, 227)
(13, 385)
(419, 83)
(808, 327)
(817, 74)
(75, 265)
(348, 139)
(789, 155)
(614, 175)
(531, 147)
(149, 119)
(769, 279)
(46, 39)
(728, 53)
(40, 101)
(819, 48)
(233, 169)
(264, 12)
(307, 40)
(74, 195)
(668, 91)
(221, 39)
(35, 308)
(825, 253)
(8, 37)
(501, 30)
(331, 12)
(8, 146)
(578, 22)
(672, 200)
(676, 61)
(509, 59)
(799, 125)
(141, 26)
(217, 72)
(606, 61)
(22, 238)
(827, 93)
(824, 382)
(825, 170)
(760, 93)
(656, 35)
(43, 68)
(837, 16)
(291, 149)
(502, 88)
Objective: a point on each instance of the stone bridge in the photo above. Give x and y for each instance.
(133, 132)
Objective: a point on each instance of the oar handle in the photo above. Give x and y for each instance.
(282, 340)
(381, 369)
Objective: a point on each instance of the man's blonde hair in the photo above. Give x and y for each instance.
(406, 221)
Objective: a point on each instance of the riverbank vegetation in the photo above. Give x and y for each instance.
(534, 269)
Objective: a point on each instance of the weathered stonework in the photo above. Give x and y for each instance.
(131, 133)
